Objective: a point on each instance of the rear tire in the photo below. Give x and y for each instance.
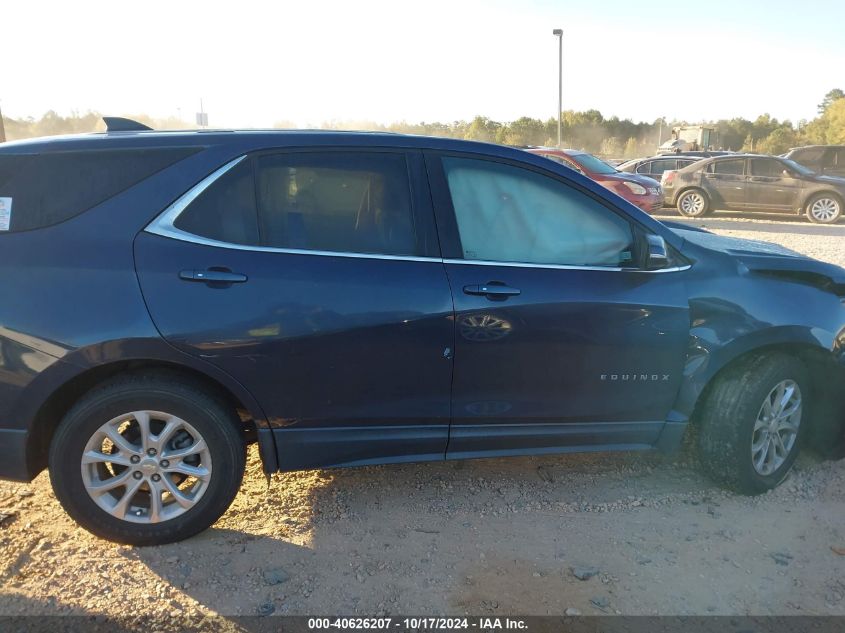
(824, 208)
(741, 412)
(693, 203)
(163, 486)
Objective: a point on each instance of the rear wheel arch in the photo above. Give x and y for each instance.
(63, 399)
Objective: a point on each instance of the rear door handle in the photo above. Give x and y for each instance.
(213, 276)
(495, 290)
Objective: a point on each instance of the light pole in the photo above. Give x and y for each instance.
(559, 34)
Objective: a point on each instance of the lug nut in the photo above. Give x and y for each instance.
(156, 477)
(134, 459)
(151, 452)
(165, 463)
(137, 474)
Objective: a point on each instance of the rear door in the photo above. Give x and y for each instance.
(725, 181)
(771, 186)
(314, 278)
(561, 339)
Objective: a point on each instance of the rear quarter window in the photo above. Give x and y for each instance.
(45, 189)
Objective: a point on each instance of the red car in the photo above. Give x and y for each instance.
(641, 191)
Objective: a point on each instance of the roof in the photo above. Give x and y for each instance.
(247, 140)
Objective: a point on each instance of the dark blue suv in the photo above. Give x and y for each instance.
(353, 298)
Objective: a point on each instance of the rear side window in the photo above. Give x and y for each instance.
(728, 167)
(336, 201)
(344, 202)
(45, 189)
(226, 210)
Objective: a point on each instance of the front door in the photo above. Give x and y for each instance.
(771, 187)
(561, 340)
(314, 279)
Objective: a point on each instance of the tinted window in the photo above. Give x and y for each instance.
(336, 201)
(563, 161)
(509, 214)
(839, 158)
(49, 188)
(811, 156)
(226, 210)
(593, 164)
(730, 167)
(659, 166)
(767, 167)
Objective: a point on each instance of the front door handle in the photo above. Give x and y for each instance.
(492, 290)
(213, 276)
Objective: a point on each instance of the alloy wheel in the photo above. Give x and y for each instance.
(776, 429)
(146, 467)
(824, 209)
(691, 203)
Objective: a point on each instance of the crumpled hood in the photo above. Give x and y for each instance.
(764, 256)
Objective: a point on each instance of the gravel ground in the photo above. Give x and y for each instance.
(592, 534)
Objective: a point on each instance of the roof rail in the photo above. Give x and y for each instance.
(120, 124)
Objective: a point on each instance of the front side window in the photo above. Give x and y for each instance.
(767, 167)
(509, 214)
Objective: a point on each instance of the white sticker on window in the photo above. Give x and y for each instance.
(5, 213)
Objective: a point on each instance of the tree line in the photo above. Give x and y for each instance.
(589, 130)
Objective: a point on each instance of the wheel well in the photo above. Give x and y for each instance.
(827, 379)
(824, 192)
(53, 410)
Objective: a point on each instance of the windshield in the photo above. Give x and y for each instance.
(804, 171)
(592, 164)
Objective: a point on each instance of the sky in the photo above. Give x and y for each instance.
(256, 64)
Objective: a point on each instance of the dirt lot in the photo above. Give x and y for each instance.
(648, 535)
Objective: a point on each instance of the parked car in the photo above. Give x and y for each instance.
(654, 166)
(348, 299)
(641, 191)
(822, 159)
(750, 182)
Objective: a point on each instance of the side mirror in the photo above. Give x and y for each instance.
(658, 254)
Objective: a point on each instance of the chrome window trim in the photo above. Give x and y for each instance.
(163, 226)
(484, 262)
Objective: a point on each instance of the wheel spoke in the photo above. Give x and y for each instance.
(193, 449)
(155, 502)
(180, 497)
(143, 420)
(172, 425)
(192, 471)
(97, 457)
(101, 487)
(119, 509)
(123, 445)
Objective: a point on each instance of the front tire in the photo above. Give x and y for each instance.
(147, 460)
(693, 203)
(751, 422)
(824, 208)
